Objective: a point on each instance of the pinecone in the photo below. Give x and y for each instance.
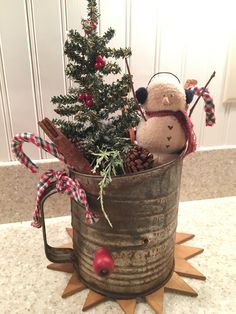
(138, 159)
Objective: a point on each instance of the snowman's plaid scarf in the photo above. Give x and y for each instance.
(63, 184)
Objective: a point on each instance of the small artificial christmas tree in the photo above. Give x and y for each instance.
(95, 115)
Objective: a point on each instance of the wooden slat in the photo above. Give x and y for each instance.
(185, 252)
(74, 285)
(141, 37)
(5, 122)
(65, 267)
(75, 10)
(93, 299)
(115, 8)
(183, 268)
(177, 284)
(183, 237)
(68, 245)
(155, 300)
(70, 232)
(128, 306)
(48, 21)
(20, 97)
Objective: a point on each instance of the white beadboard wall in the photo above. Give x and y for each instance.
(187, 38)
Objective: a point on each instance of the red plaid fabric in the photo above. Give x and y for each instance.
(63, 184)
(209, 105)
(17, 150)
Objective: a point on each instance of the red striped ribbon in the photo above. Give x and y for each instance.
(63, 184)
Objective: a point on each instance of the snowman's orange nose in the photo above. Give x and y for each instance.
(165, 101)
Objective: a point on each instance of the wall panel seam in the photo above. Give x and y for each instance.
(227, 106)
(34, 67)
(183, 65)
(226, 128)
(99, 20)
(129, 30)
(64, 29)
(37, 67)
(6, 105)
(157, 48)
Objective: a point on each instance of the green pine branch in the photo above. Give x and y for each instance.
(107, 162)
(92, 10)
(108, 35)
(104, 123)
(65, 99)
(71, 129)
(119, 53)
(67, 110)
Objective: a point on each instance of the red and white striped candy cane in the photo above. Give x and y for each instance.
(209, 105)
(63, 184)
(17, 150)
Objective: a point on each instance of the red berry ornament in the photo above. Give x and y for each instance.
(103, 263)
(88, 96)
(89, 102)
(89, 24)
(94, 25)
(99, 58)
(98, 65)
(100, 62)
(82, 96)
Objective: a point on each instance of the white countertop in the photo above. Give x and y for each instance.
(27, 286)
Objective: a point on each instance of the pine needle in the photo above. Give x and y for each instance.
(109, 162)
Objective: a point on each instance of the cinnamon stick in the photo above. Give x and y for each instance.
(72, 155)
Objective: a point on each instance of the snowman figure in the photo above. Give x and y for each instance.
(167, 131)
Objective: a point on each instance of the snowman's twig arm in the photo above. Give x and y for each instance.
(132, 88)
(203, 90)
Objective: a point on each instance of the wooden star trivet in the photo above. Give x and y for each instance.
(155, 300)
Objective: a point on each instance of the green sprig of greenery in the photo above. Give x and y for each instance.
(108, 163)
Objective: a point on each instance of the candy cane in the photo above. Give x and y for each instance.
(63, 184)
(209, 105)
(17, 144)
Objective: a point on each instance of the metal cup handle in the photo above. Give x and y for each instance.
(55, 255)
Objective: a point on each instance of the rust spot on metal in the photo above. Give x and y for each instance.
(143, 209)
